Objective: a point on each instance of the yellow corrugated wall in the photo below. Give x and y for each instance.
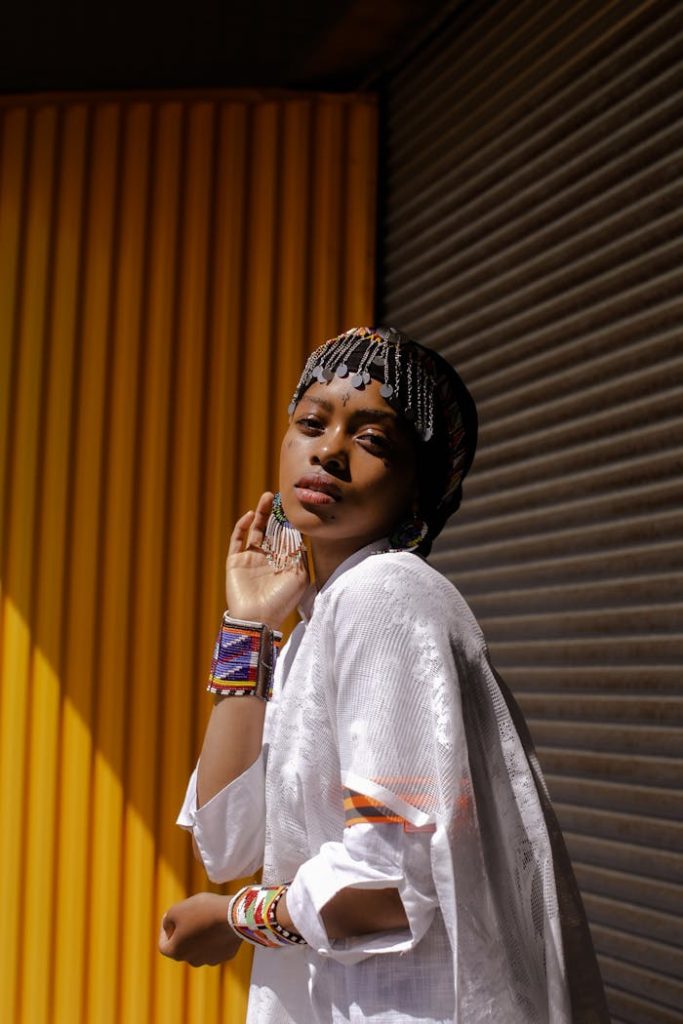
(165, 263)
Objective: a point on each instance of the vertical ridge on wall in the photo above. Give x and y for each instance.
(183, 522)
(34, 208)
(106, 897)
(224, 304)
(83, 552)
(532, 234)
(143, 686)
(165, 264)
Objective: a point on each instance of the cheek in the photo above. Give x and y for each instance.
(404, 489)
(393, 490)
(290, 462)
(284, 452)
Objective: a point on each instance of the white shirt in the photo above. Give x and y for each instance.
(386, 704)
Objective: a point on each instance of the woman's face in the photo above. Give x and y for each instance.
(347, 465)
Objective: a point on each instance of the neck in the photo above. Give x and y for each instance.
(327, 557)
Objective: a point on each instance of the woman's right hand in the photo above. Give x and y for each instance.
(253, 590)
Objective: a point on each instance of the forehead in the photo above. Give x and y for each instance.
(339, 393)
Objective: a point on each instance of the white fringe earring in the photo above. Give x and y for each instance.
(282, 542)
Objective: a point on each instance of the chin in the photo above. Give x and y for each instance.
(313, 524)
(307, 520)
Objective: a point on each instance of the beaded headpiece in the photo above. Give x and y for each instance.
(405, 380)
(414, 380)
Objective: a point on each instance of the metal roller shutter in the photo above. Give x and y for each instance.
(532, 232)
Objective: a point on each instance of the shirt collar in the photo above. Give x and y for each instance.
(310, 594)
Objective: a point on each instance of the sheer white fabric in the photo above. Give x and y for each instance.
(387, 690)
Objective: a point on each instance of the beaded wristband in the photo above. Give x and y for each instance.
(244, 657)
(252, 914)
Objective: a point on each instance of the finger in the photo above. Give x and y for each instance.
(239, 533)
(260, 520)
(300, 567)
(167, 925)
(165, 946)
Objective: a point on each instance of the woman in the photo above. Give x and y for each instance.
(413, 869)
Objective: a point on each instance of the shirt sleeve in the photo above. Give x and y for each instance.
(390, 653)
(368, 857)
(396, 685)
(229, 828)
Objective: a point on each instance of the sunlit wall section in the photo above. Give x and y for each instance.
(165, 264)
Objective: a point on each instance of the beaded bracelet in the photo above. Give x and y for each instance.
(252, 914)
(244, 657)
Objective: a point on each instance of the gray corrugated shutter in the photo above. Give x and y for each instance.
(533, 233)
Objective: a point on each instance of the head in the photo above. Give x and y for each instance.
(386, 430)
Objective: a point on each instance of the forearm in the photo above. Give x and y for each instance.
(356, 911)
(197, 930)
(232, 743)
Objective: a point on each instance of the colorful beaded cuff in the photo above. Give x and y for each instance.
(252, 914)
(244, 658)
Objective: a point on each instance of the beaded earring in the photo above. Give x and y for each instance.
(409, 534)
(282, 542)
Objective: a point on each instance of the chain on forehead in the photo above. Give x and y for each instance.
(406, 380)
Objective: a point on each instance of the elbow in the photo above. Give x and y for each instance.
(353, 912)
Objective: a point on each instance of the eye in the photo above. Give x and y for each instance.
(309, 424)
(377, 442)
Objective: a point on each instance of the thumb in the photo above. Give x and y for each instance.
(166, 933)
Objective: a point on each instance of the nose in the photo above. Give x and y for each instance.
(332, 455)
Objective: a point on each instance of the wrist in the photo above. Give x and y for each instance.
(250, 614)
(244, 658)
(253, 916)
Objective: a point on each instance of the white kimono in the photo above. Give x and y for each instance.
(393, 756)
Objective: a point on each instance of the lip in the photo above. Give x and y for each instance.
(317, 489)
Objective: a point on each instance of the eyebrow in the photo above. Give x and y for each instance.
(368, 415)
(374, 415)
